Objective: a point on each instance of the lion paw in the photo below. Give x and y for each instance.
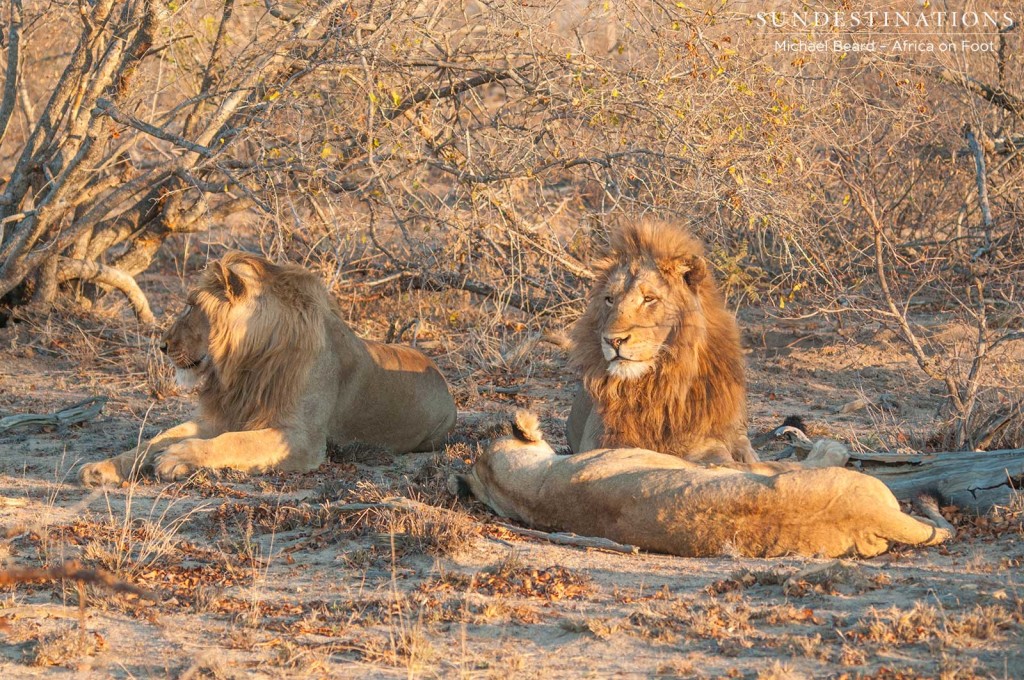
(177, 462)
(105, 472)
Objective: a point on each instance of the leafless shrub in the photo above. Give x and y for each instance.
(479, 151)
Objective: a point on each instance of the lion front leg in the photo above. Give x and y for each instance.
(248, 451)
(128, 464)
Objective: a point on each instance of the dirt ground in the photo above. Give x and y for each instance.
(272, 576)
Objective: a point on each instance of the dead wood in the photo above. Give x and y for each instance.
(96, 272)
(975, 480)
(77, 413)
(572, 539)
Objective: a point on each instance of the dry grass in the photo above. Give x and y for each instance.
(128, 543)
(67, 646)
(924, 622)
(434, 530)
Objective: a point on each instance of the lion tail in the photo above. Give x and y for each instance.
(526, 427)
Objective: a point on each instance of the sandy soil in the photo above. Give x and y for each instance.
(271, 577)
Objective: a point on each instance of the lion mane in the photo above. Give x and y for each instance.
(281, 376)
(692, 400)
(258, 367)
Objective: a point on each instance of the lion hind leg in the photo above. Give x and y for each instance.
(896, 526)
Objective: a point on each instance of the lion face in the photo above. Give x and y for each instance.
(639, 311)
(187, 342)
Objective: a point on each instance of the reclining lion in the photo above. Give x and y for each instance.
(666, 504)
(659, 353)
(282, 375)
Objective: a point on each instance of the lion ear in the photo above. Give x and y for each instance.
(234, 284)
(695, 271)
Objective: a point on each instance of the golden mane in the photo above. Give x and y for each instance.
(260, 360)
(697, 389)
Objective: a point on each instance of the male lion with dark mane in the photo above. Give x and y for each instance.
(282, 375)
(659, 354)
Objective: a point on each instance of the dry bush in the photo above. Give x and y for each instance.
(425, 157)
(899, 626)
(68, 646)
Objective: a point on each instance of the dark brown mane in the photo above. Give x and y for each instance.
(697, 389)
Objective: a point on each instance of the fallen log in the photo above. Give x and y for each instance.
(975, 480)
(72, 415)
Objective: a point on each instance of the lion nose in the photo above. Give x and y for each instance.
(616, 341)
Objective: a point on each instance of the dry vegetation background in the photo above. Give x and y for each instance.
(449, 168)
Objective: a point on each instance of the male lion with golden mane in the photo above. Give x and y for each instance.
(659, 354)
(282, 375)
(665, 504)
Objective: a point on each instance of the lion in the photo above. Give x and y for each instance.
(660, 356)
(667, 504)
(281, 376)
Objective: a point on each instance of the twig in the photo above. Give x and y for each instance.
(73, 571)
(572, 539)
(448, 91)
(106, 107)
(78, 413)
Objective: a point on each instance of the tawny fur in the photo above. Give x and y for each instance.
(666, 504)
(692, 403)
(281, 375)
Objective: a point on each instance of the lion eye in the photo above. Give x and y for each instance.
(648, 299)
(608, 300)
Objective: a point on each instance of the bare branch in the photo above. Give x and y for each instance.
(996, 95)
(926, 363)
(979, 173)
(72, 415)
(12, 77)
(106, 107)
(88, 270)
(572, 539)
